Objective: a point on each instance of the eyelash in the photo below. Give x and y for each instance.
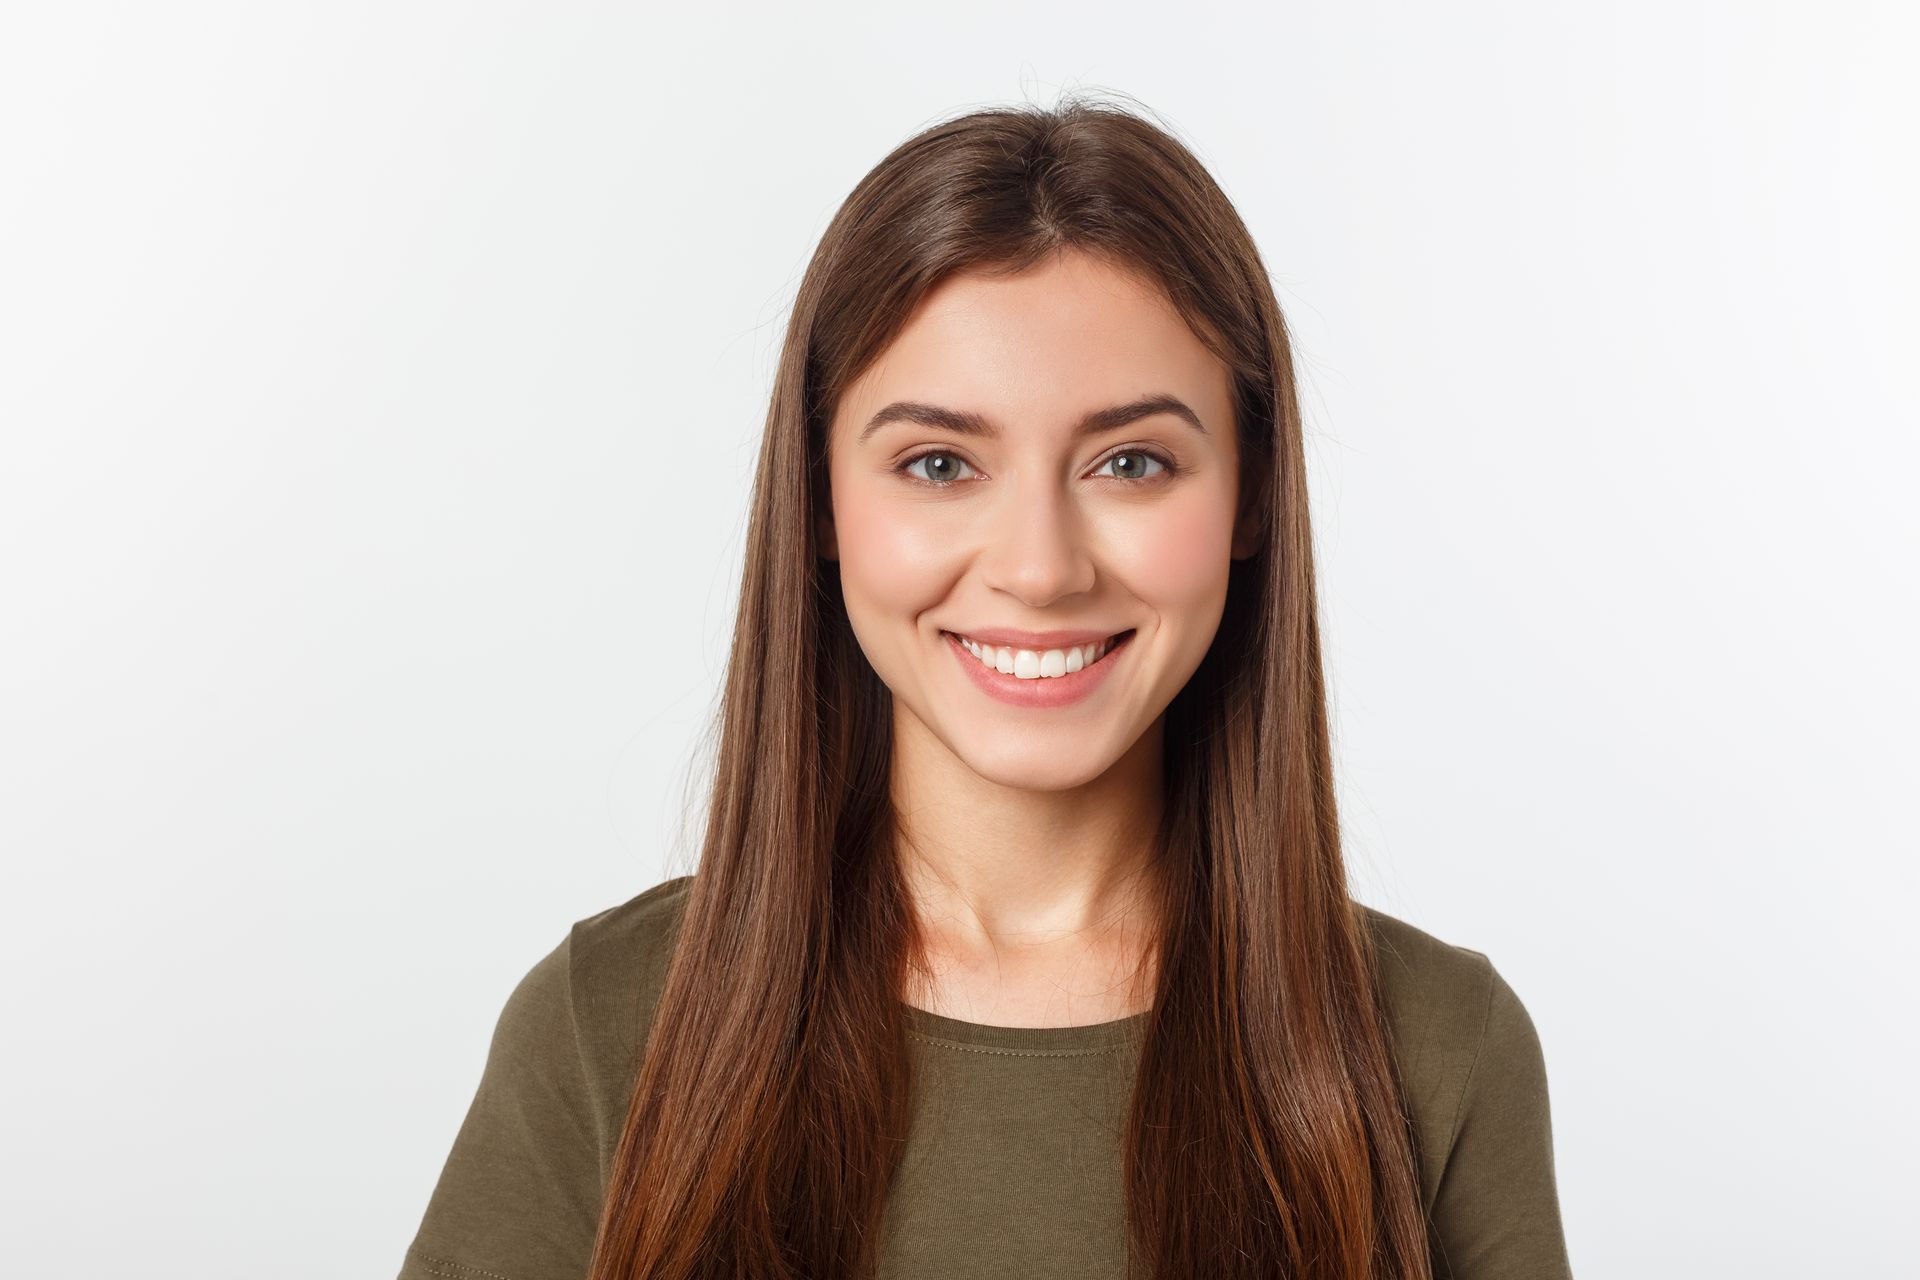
(1169, 470)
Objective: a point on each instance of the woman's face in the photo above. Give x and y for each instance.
(1019, 462)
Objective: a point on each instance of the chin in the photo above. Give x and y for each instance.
(1037, 768)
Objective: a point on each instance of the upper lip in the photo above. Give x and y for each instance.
(1015, 639)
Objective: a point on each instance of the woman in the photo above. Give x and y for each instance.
(1020, 942)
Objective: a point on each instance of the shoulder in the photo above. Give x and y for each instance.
(610, 942)
(573, 1028)
(1429, 985)
(1455, 1024)
(617, 964)
(520, 1191)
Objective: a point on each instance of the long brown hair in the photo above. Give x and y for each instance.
(1266, 1134)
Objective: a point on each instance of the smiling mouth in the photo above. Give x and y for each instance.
(1041, 664)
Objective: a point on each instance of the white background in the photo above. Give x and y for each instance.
(380, 387)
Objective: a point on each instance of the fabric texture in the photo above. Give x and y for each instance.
(1012, 1166)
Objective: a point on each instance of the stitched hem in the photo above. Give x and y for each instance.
(1013, 1053)
(448, 1269)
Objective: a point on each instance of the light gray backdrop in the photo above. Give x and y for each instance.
(380, 386)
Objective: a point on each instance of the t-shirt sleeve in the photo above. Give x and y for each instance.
(1497, 1210)
(519, 1195)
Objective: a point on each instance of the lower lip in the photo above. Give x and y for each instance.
(1055, 691)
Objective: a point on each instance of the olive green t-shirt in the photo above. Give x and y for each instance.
(1012, 1165)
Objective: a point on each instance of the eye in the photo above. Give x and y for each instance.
(1143, 457)
(950, 460)
(943, 466)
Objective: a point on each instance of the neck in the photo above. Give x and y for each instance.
(1024, 898)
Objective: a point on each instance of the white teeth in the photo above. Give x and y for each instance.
(1037, 664)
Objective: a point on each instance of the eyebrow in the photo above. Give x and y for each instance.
(967, 423)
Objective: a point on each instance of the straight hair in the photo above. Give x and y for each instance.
(1266, 1134)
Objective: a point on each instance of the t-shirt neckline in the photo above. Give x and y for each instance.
(1090, 1036)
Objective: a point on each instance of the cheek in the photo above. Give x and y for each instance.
(1177, 561)
(887, 562)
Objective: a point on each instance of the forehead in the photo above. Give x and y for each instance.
(1040, 348)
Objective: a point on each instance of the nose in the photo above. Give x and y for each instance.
(1036, 549)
